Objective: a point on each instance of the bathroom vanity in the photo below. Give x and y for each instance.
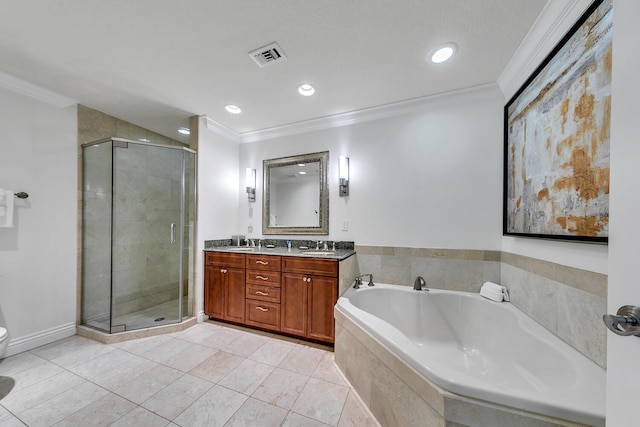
(288, 291)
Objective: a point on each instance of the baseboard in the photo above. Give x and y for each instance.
(29, 342)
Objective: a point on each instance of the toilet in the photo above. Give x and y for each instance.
(4, 340)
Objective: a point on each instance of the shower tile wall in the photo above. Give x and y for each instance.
(569, 302)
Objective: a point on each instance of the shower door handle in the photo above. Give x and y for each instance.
(172, 237)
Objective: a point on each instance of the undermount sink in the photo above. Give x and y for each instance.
(319, 252)
(242, 248)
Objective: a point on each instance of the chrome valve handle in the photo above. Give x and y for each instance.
(626, 322)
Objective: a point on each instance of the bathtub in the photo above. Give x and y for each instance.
(478, 349)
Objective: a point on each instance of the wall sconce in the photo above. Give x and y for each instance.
(344, 176)
(251, 184)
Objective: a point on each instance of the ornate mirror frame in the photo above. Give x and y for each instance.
(323, 211)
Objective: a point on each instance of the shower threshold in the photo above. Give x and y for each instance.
(107, 338)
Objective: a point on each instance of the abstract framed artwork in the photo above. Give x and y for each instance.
(556, 138)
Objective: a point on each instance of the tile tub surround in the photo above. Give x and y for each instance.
(208, 374)
(569, 302)
(398, 395)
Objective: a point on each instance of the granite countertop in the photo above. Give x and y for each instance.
(339, 254)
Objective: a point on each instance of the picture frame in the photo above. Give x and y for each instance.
(556, 138)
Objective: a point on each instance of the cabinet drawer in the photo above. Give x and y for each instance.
(262, 293)
(263, 262)
(268, 278)
(263, 314)
(323, 267)
(225, 259)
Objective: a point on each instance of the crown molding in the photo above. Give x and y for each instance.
(220, 129)
(36, 92)
(344, 119)
(552, 24)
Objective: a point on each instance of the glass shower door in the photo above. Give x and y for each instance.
(147, 238)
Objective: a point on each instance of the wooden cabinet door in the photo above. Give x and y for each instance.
(293, 300)
(214, 284)
(322, 297)
(234, 295)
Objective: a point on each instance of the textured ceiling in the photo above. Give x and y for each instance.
(157, 62)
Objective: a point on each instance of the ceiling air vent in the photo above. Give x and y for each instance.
(267, 55)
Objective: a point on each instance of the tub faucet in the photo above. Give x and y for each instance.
(359, 280)
(420, 284)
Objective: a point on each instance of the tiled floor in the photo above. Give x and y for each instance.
(207, 375)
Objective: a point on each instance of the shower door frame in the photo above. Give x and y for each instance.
(184, 203)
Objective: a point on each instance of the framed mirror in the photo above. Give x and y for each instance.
(295, 195)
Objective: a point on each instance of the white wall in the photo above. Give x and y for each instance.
(218, 182)
(38, 155)
(554, 22)
(428, 178)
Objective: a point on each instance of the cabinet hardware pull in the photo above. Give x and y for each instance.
(222, 270)
(262, 309)
(262, 278)
(262, 293)
(262, 262)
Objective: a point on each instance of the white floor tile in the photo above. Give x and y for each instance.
(217, 366)
(214, 408)
(28, 397)
(141, 417)
(302, 360)
(102, 412)
(170, 380)
(245, 345)
(61, 406)
(148, 383)
(272, 352)
(322, 401)
(281, 388)
(257, 413)
(178, 396)
(297, 420)
(246, 377)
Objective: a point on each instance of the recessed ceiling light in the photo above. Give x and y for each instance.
(233, 109)
(184, 131)
(443, 53)
(301, 165)
(306, 89)
(302, 173)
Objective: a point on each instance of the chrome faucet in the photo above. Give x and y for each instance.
(358, 280)
(318, 243)
(420, 284)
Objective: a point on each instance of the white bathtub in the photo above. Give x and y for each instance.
(481, 349)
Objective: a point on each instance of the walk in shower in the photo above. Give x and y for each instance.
(138, 223)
